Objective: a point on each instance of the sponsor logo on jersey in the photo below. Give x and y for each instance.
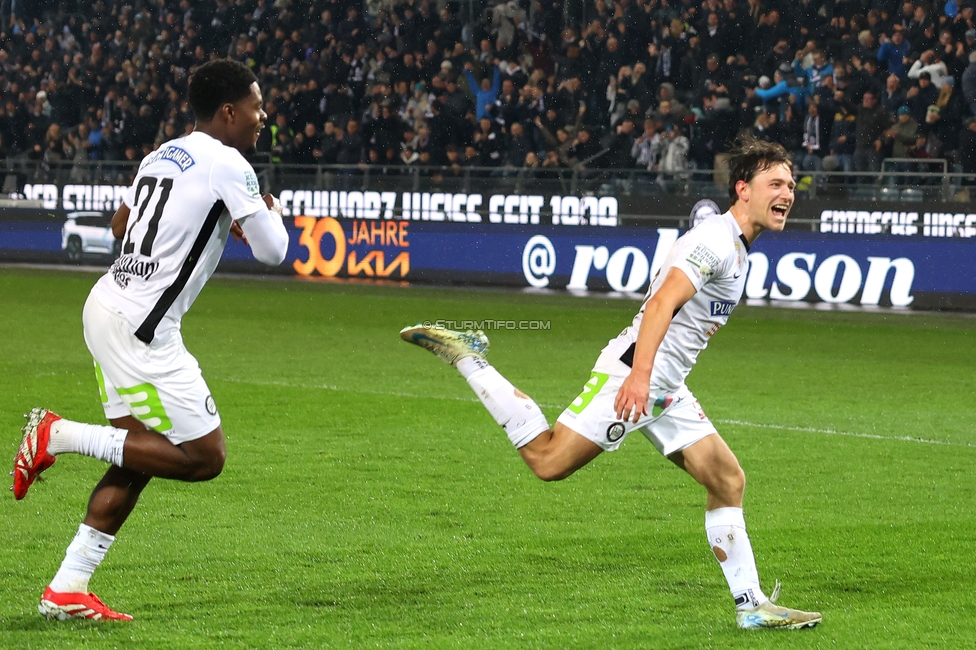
(703, 259)
(615, 431)
(721, 307)
(251, 183)
(126, 267)
(175, 155)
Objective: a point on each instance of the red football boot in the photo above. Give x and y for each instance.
(32, 458)
(54, 605)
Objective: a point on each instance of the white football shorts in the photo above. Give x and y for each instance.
(160, 384)
(675, 419)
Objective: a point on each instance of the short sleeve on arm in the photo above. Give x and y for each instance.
(702, 255)
(235, 183)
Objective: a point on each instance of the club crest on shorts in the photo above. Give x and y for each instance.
(615, 431)
(211, 406)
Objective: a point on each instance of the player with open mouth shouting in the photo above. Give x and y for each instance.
(638, 381)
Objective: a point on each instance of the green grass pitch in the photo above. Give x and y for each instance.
(369, 501)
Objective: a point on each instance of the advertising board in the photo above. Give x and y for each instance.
(900, 257)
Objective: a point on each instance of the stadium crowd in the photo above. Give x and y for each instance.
(653, 84)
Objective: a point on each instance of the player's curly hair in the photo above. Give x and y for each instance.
(751, 156)
(218, 82)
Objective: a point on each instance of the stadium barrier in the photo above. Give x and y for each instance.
(900, 180)
(837, 251)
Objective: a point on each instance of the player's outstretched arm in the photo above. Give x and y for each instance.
(677, 289)
(266, 234)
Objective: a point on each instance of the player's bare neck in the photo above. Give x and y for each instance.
(215, 130)
(751, 229)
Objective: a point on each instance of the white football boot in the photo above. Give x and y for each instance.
(769, 615)
(449, 345)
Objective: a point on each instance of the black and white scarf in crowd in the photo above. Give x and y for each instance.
(811, 132)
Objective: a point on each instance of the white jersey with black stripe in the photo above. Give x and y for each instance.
(182, 202)
(714, 256)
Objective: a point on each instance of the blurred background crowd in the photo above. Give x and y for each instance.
(661, 85)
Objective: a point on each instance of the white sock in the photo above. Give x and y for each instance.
(85, 552)
(95, 440)
(515, 411)
(726, 530)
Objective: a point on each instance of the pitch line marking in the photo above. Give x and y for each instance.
(473, 400)
(850, 434)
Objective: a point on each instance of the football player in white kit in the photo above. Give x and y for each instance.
(638, 381)
(187, 197)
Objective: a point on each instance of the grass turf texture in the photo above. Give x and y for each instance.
(369, 501)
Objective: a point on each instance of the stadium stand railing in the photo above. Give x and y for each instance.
(900, 180)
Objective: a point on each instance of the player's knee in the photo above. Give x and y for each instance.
(549, 471)
(549, 475)
(205, 457)
(210, 468)
(726, 483)
(733, 482)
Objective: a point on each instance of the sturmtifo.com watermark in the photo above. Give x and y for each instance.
(490, 324)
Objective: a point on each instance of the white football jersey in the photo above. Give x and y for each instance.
(182, 203)
(714, 256)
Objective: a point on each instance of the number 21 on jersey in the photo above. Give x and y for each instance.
(145, 193)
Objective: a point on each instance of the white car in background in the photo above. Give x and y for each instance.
(89, 233)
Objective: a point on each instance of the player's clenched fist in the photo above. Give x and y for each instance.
(273, 203)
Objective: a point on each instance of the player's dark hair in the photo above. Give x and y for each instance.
(219, 82)
(751, 156)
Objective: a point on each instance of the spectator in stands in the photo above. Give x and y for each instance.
(485, 92)
(643, 151)
(712, 78)
(951, 104)
(551, 164)
(864, 77)
(664, 115)
(281, 136)
(132, 71)
(672, 155)
(308, 146)
(967, 150)
(489, 142)
(929, 62)
(952, 52)
(922, 95)
(583, 148)
(894, 96)
(78, 139)
(453, 160)
(894, 51)
(901, 137)
(938, 133)
(814, 75)
(621, 144)
(872, 120)
(784, 84)
(765, 126)
(518, 146)
(717, 129)
(842, 138)
(816, 140)
(968, 82)
(283, 151)
(350, 151)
